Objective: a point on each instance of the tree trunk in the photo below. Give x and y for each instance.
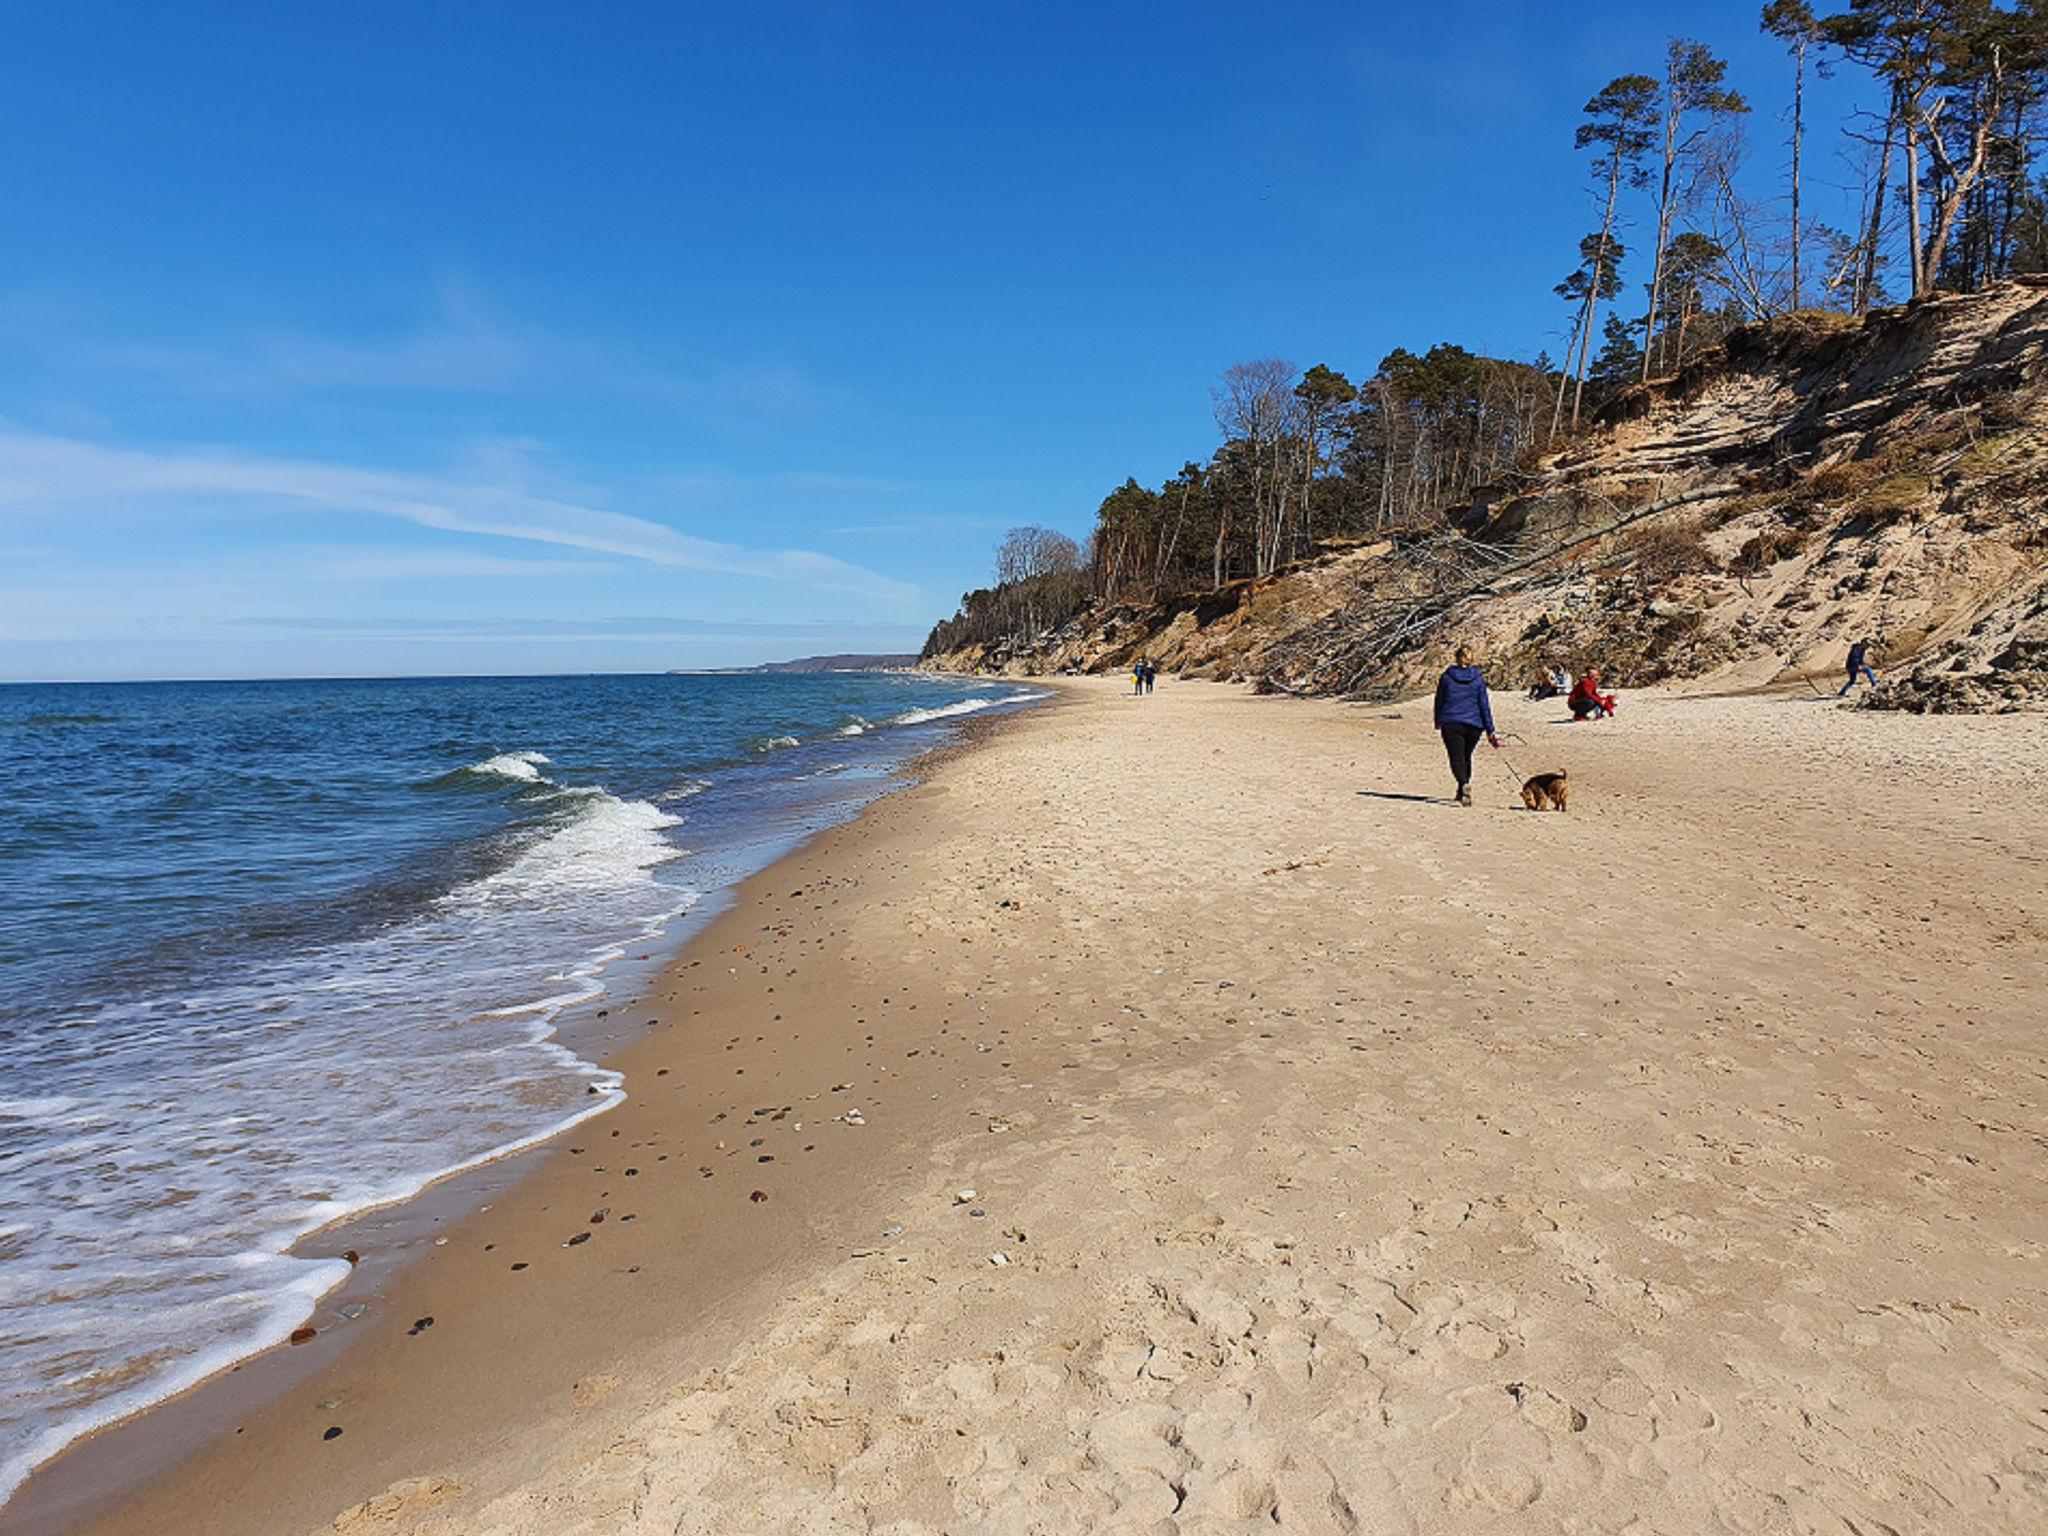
(1166, 550)
(1867, 284)
(1593, 292)
(1957, 182)
(1308, 473)
(1798, 124)
(1913, 203)
(1671, 114)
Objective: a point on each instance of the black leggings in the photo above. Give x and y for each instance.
(1459, 740)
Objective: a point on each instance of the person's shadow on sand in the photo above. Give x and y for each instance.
(1382, 794)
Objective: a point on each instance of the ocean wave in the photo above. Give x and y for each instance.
(45, 722)
(221, 1110)
(524, 766)
(606, 839)
(963, 707)
(442, 1028)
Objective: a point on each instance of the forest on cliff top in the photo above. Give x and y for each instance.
(1682, 251)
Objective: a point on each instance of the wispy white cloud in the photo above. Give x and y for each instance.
(934, 523)
(459, 342)
(381, 565)
(630, 627)
(39, 470)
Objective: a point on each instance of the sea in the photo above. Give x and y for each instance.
(275, 953)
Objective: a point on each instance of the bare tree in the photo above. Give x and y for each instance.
(1692, 84)
(1027, 561)
(1256, 406)
(1617, 124)
(1032, 551)
(1793, 23)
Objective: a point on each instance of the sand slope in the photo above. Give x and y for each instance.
(1360, 1164)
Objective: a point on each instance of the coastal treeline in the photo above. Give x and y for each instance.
(1685, 242)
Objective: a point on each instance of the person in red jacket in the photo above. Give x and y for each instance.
(1587, 701)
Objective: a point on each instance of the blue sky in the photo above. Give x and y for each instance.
(376, 339)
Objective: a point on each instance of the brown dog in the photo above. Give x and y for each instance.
(1547, 792)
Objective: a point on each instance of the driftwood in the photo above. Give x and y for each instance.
(1455, 571)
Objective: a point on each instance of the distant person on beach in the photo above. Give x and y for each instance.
(1463, 714)
(1553, 684)
(1587, 701)
(1137, 677)
(1151, 676)
(1859, 663)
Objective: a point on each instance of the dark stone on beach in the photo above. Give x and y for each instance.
(600, 1214)
(353, 1257)
(520, 1265)
(302, 1335)
(766, 1157)
(758, 1196)
(419, 1326)
(580, 1237)
(333, 1432)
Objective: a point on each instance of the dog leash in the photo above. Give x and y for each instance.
(1511, 768)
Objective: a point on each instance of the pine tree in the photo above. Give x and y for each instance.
(1692, 85)
(1617, 128)
(1793, 23)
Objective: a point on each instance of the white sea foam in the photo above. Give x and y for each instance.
(149, 1205)
(221, 1126)
(963, 707)
(524, 766)
(857, 727)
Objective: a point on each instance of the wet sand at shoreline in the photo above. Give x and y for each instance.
(1339, 1160)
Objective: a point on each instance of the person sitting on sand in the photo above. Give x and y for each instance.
(1463, 713)
(1859, 664)
(1553, 684)
(1587, 701)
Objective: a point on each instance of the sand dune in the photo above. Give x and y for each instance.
(1292, 1152)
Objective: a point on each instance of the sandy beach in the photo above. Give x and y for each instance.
(1171, 1115)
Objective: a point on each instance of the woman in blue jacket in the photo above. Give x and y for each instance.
(1464, 713)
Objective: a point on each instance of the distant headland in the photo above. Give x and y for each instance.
(846, 663)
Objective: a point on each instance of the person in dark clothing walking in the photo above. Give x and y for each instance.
(1859, 664)
(1464, 713)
